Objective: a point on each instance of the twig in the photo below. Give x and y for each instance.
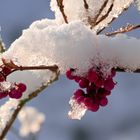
(100, 11)
(86, 4)
(106, 15)
(15, 67)
(61, 7)
(128, 28)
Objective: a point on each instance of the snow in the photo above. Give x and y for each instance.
(74, 10)
(6, 112)
(73, 45)
(77, 110)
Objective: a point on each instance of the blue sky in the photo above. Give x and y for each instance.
(119, 118)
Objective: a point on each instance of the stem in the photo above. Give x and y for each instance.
(128, 28)
(61, 7)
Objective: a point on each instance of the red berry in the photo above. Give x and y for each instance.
(6, 70)
(15, 94)
(103, 101)
(78, 93)
(109, 84)
(83, 83)
(77, 79)
(94, 107)
(21, 87)
(92, 76)
(69, 74)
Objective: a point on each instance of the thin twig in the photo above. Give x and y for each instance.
(128, 28)
(106, 15)
(86, 4)
(100, 11)
(61, 7)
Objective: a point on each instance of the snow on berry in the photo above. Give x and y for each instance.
(95, 88)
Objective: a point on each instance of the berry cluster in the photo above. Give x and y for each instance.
(13, 90)
(94, 88)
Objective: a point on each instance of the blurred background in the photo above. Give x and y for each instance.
(119, 120)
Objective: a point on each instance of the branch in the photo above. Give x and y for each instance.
(15, 67)
(128, 28)
(23, 102)
(61, 7)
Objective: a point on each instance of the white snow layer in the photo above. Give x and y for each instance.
(75, 10)
(6, 112)
(74, 45)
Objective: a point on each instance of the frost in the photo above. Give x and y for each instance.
(30, 120)
(77, 110)
(74, 10)
(6, 111)
(4, 86)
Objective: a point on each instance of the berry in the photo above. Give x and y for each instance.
(97, 88)
(69, 74)
(15, 94)
(22, 87)
(103, 101)
(83, 83)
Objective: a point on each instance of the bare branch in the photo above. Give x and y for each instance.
(125, 29)
(61, 7)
